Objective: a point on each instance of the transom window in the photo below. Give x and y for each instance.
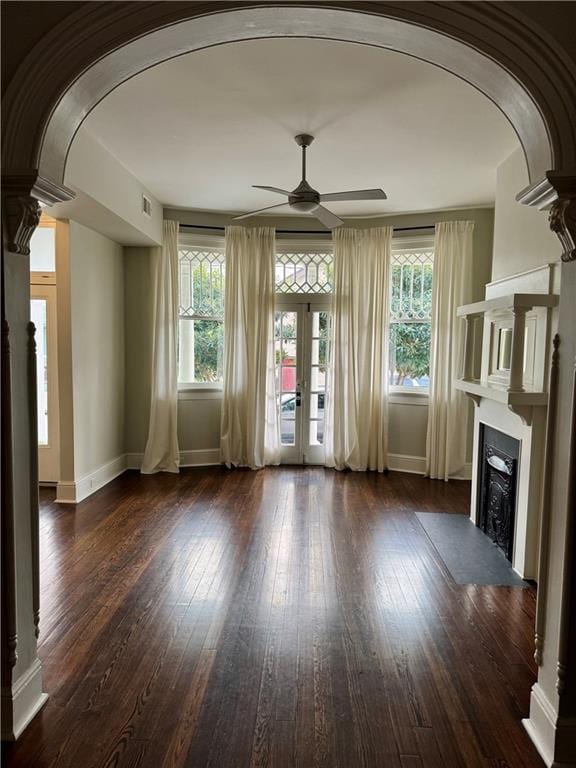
(304, 271)
(201, 276)
(410, 318)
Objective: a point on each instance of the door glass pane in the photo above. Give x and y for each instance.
(317, 406)
(286, 331)
(319, 352)
(317, 432)
(318, 378)
(321, 332)
(289, 352)
(38, 316)
(289, 321)
(42, 250)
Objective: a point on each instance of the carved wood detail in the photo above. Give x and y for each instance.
(34, 497)
(545, 508)
(562, 220)
(22, 193)
(21, 217)
(556, 192)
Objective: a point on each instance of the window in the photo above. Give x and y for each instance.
(302, 271)
(43, 249)
(410, 316)
(201, 274)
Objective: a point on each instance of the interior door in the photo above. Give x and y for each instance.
(43, 315)
(302, 347)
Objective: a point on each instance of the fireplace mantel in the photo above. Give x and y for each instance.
(520, 403)
(505, 372)
(514, 350)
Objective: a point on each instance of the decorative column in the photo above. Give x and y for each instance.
(468, 372)
(516, 383)
(552, 721)
(21, 676)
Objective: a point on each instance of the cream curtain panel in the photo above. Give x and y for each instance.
(446, 438)
(162, 453)
(357, 412)
(250, 434)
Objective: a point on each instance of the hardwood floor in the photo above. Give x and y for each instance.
(287, 617)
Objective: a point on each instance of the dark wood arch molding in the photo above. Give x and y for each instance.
(493, 46)
(539, 73)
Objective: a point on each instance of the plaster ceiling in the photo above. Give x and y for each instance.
(199, 130)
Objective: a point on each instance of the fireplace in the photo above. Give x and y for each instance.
(497, 477)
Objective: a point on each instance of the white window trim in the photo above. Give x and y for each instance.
(398, 395)
(197, 390)
(200, 390)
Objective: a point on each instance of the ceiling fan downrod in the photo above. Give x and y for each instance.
(304, 140)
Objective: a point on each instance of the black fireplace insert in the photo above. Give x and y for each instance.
(498, 456)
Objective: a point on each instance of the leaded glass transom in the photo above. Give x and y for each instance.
(304, 272)
(201, 283)
(411, 280)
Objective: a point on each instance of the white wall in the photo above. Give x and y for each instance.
(91, 356)
(97, 305)
(522, 237)
(110, 197)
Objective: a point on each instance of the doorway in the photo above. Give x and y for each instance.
(302, 340)
(43, 313)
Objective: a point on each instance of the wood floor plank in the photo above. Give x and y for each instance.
(294, 616)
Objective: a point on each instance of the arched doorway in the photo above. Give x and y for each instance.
(45, 107)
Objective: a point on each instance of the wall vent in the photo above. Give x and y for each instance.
(146, 206)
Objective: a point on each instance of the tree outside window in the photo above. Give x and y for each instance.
(410, 316)
(201, 315)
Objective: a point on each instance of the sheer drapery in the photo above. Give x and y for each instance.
(250, 434)
(162, 453)
(446, 439)
(357, 412)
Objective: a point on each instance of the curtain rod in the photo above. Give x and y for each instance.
(303, 231)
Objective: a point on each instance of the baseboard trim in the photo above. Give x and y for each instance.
(203, 457)
(206, 457)
(550, 734)
(416, 465)
(399, 462)
(74, 491)
(23, 702)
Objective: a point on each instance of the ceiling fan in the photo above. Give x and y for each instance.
(305, 199)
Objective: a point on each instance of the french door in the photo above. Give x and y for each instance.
(302, 348)
(43, 315)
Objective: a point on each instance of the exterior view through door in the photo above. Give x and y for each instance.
(302, 337)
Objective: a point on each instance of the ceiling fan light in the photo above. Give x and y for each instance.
(304, 206)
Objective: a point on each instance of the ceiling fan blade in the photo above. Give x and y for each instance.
(356, 194)
(272, 189)
(327, 217)
(260, 210)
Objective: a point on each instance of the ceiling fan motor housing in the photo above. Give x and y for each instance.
(304, 198)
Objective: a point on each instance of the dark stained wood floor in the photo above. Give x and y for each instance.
(287, 617)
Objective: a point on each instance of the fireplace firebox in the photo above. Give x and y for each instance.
(497, 487)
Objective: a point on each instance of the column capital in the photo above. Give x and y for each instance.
(22, 193)
(556, 192)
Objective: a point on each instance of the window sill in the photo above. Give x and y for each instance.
(410, 397)
(200, 392)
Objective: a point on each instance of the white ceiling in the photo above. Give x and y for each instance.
(199, 130)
